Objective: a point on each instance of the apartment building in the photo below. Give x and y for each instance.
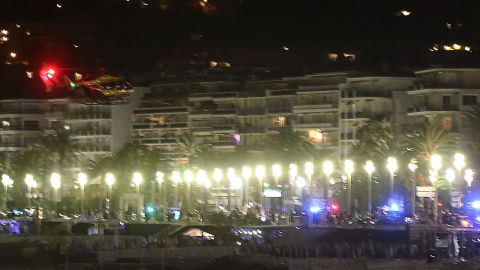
(444, 95)
(366, 98)
(229, 115)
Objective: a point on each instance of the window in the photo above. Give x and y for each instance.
(469, 100)
(447, 123)
(279, 121)
(31, 125)
(447, 102)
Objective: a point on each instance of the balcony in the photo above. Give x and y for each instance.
(281, 110)
(283, 92)
(278, 129)
(429, 110)
(201, 130)
(200, 113)
(174, 125)
(161, 110)
(155, 140)
(361, 115)
(224, 112)
(15, 128)
(224, 129)
(91, 132)
(55, 115)
(314, 125)
(254, 111)
(199, 97)
(247, 130)
(223, 144)
(88, 116)
(21, 111)
(313, 108)
(5, 146)
(95, 148)
(225, 96)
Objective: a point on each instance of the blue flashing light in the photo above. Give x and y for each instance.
(394, 207)
(476, 204)
(478, 219)
(150, 209)
(315, 209)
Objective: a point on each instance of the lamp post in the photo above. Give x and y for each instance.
(217, 176)
(236, 184)
(31, 183)
(188, 177)
(109, 180)
(327, 170)
(230, 177)
(260, 174)
(469, 176)
(161, 200)
(137, 180)
(348, 168)
(459, 164)
(412, 166)
(292, 172)
(247, 174)
(392, 167)
(7, 182)
(202, 180)
(436, 164)
(450, 176)
(309, 168)
(369, 168)
(56, 183)
(276, 172)
(176, 179)
(82, 181)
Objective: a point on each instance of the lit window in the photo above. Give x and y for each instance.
(447, 123)
(315, 135)
(350, 56)
(332, 57)
(5, 123)
(279, 121)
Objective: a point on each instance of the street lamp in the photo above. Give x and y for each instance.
(188, 177)
(260, 174)
(436, 162)
(236, 184)
(56, 183)
(392, 167)
(348, 168)
(412, 166)
(7, 182)
(469, 176)
(202, 179)
(276, 172)
(327, 167)
(450, 176)
(292, 171)
(247, 174)
(82, 181)
(109, 180)
(369, 168)
(459, 163)
(230, 178)
(176, 179)
(31, 183)
(217, 176)
(309, 168)
(160, 178)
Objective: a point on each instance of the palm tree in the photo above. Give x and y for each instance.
(290, 146)
(375, 141)
(190, 149)
(5, 164)
(426, 139)
(60, 149)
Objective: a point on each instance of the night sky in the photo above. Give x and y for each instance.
(178, 36)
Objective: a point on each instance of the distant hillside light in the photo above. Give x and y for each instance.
(406, 12)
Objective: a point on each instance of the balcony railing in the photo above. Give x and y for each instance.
(223, 143)
(19, 128)
(98, 148)
(155, 140)
(225, 111)
(201, 129)
(432, 109)
(254, 111)
(21, 111)
(91, 132)
(159, 126)
(252, 130)
(88, 116)
(161, 110)
(279, 110)
(200, 112)
(351, 115)
(224, 128)
(5, 144)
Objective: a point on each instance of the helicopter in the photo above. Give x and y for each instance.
(93, 89)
